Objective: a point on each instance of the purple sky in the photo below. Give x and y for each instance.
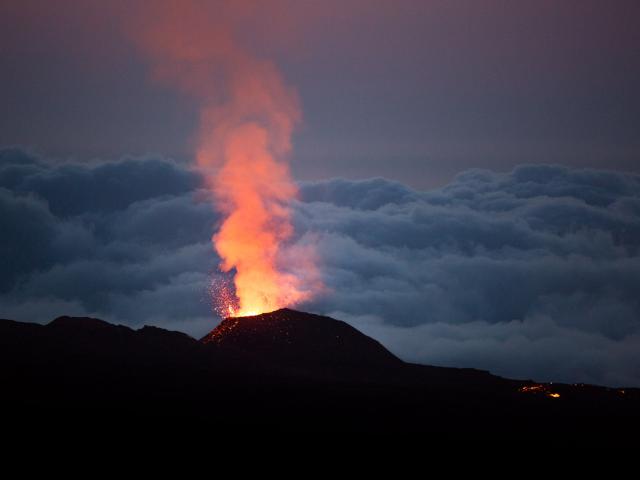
(414, 91)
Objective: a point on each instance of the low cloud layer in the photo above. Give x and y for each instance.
(533, 273)
(530, 274)
(127, 241)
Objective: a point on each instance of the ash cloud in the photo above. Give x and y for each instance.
(534, 273)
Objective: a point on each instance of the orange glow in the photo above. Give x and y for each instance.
(539, 388)
(532, 388)
(247, 116)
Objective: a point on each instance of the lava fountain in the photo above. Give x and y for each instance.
(247, 116)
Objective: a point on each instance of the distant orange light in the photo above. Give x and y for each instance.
(539, 388)
(531, 388)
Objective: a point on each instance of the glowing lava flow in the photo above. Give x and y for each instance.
(247, 116)
(539, 389)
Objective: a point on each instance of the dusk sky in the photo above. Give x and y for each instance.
(467, 170)
(412, 90)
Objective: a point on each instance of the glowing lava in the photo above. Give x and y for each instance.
(539, 389)
(247, 116)
(243, 313)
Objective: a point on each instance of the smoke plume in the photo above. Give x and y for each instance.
(247, 116)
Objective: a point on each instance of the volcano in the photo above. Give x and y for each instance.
(283, 370)
(301, 339)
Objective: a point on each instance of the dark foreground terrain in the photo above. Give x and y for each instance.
(281, 371)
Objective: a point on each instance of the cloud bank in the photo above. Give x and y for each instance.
(534, 273)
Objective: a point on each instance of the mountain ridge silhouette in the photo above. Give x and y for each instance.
(285, 369)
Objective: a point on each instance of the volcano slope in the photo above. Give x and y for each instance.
(280, 371)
